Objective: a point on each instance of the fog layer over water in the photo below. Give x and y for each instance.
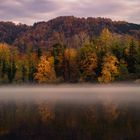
(70, 112)
(72, 93)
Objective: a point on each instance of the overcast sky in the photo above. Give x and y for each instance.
(30, 11)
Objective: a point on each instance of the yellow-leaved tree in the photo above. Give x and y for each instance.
(109, 69)
(45, 70)
(106, 40)
(87, 63)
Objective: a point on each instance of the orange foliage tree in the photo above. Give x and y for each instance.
(45, 70)
(106, 40)
(109, 69)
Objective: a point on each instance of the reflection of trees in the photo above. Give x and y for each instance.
(45, 111)
(105, 121)
(111, 112)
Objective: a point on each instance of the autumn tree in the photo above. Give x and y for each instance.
(45, 70)
(70, 65)
(109, 69)
(106, 39)
(87, 63)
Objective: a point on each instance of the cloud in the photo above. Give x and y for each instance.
(30, 11)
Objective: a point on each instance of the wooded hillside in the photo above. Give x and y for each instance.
(69, 49)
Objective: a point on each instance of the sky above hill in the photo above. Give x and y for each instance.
(30, 11)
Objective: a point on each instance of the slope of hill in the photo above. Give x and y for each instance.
(9, 31)
(78, 50)
(67, 29)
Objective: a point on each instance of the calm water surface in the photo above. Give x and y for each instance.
(78, 112)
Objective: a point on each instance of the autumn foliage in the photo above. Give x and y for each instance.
(106, 58)
(109, 69)
(45, 71)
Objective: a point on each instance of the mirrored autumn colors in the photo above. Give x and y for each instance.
(47, 120)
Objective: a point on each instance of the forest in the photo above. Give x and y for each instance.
(41, 55)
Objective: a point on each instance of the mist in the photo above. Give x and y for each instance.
(83, 94)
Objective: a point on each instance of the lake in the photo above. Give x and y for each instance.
(70, 112)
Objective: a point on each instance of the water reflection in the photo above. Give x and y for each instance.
(111, 115)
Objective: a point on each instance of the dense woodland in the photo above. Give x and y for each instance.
(69, 49)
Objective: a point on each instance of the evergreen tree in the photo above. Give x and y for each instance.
(11, 71)
(39, 52)
(59, 60)
(131, 58)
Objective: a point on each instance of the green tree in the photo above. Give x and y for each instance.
(4, 58)
(8, 60)
(131, 57)
(32, 61)
(137, 65)
(59, 60)
(39, 52)
(11, 70)
(123, 70)
(24, 73)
